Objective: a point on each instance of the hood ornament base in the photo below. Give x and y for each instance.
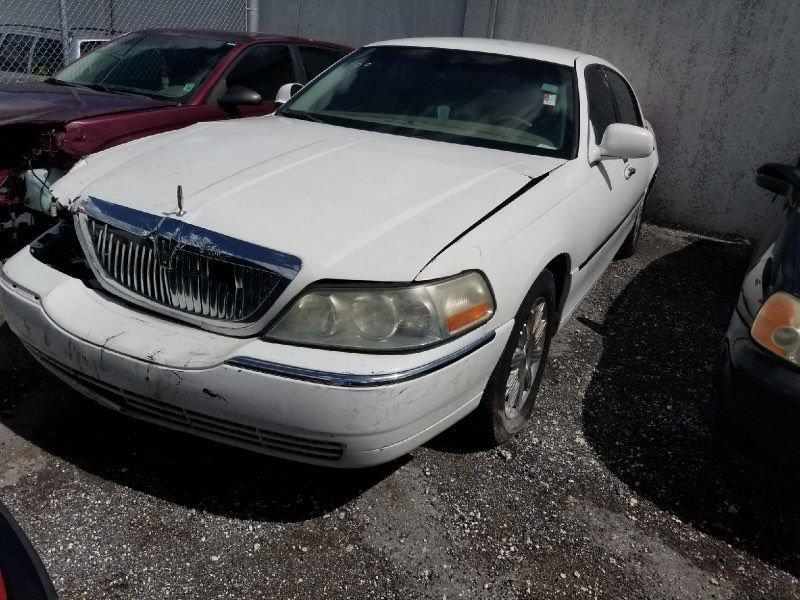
(179, 192)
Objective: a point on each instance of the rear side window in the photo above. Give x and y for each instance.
(601, 104)
(263, 69)
(316, 60)
(15, 52)
(626, 102)
(47, 57)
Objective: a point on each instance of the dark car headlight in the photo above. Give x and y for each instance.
(776, 327)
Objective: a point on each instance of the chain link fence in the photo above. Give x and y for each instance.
(39, 37)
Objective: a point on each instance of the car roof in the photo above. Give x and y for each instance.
(240, 36)
(210, 34)
(552, 54)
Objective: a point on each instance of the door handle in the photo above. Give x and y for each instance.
(630, 171)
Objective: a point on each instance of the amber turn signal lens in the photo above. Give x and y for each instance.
(777, 326)
(461, 320)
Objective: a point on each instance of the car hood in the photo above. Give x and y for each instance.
(39, 103)
(350, 204)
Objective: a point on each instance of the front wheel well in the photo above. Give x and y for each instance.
(560, 268)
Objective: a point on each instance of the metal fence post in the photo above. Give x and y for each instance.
(252, 15)
(62, 8)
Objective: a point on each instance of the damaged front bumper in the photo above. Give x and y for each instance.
(318, 406)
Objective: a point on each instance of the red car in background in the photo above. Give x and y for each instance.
(136, 85)
(22, 574)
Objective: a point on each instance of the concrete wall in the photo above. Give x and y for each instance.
(357, 22)
(720, 81)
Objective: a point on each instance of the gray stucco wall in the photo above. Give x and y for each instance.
(720, 81)
(357, 22)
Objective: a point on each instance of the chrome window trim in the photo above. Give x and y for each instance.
(356, 380)
(144, 224)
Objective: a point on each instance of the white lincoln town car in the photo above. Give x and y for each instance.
(339, 282)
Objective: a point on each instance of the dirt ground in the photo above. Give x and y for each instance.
(614, 491)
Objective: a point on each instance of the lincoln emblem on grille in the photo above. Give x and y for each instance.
(163, 252)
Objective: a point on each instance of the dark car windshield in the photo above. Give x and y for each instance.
(487, 100)
(151, 64)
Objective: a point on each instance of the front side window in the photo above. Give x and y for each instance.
(601, 103)
(161, 66)
(15, 52)
(263, 69)
(487, 100)
(626, 103)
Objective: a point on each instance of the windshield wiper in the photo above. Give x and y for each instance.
(298, 114)
(55, 81)
(101, 87)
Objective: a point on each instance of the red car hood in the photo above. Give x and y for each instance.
(48, 103)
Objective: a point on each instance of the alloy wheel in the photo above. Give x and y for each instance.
(527, 358)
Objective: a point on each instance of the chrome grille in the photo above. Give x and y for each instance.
(182, 277)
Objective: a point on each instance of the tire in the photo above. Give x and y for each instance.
(628, 248)
(496, 420)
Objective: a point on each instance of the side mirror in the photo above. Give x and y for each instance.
(239, 95)
(621, 140)
(783, 180)
(286, 92)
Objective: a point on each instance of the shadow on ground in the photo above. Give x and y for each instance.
(166, 464)
(647, 410)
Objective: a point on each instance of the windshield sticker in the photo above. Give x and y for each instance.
(443, 112)
(549, 94)
(188, 87)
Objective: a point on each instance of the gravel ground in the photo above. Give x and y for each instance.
(615, 490)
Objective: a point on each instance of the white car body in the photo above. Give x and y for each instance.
(352, 205)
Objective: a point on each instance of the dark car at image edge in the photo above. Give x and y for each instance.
(758, 373)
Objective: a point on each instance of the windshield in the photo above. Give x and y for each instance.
(156, 65)
(486, 100)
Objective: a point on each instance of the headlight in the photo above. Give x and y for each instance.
(386, 317)
(777, 326)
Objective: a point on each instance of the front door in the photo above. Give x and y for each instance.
(264, 69)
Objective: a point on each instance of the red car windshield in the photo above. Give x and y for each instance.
(161, 66)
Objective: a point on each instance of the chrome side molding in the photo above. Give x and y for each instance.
(353, 379)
